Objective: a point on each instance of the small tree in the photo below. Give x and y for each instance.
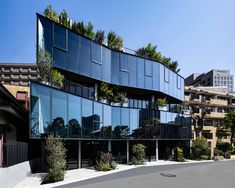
(51, 14)
(78, 27)
(180, 155)
(229, 124)
(99, 36)
(46, 74)
(44, 63)
(64, 19)
(57, 78)
(105, 92)
(138, 151)
(160, 102)
(105, 162)
(200, 149)
(115, 42)
(89, 31)
(150, 51)
(56, 160)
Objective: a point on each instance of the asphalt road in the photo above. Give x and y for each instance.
(203, 175)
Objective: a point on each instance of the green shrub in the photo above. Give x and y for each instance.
(105, 163)
(225, 147)
(114, 41)
(180, 155)
(218, 152)
(200, 149)
(57, 78)
(56, 160)
(138, 151)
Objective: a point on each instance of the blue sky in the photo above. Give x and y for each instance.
(199, 34)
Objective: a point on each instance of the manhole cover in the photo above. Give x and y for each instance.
(168, 175)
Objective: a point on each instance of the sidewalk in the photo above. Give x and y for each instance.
(34, 180)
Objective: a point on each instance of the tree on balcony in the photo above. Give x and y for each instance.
(114, 41)
(46, 73)
(229, 124)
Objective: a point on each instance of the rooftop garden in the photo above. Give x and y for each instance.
(113, 40)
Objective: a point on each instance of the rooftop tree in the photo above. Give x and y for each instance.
(78, 27)
(99, 36)
(64, 19)
(114, 41)
(150, 52)
(51, 14)
(89, 31)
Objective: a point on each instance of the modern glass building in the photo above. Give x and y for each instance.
(90, 124)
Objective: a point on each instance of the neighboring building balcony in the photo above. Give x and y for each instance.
(218, 102)
(73, 117)
(216, 115)
(186, 98)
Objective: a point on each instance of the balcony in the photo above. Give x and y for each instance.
(219, 102)
(216, 115)
(186, 98)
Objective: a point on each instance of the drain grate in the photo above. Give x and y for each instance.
(168, 175)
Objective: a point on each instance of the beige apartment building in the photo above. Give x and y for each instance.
(217, 102)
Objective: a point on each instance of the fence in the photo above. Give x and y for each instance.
(14, 152)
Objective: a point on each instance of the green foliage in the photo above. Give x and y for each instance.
(56, 160)
(78, 27)
(180, 155)
(105, 163)
(229, 124)
(44, 63)
(200, 149)
(150, 52)
(51, 14)
(99, 37)
(89, 31)
(138, 151)
(57, 78)
(225, 147)
(64, 19)
(115, 42)
(105, 91)
(161, 102)
(218, 152)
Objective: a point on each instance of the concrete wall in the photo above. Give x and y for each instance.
(11, 176)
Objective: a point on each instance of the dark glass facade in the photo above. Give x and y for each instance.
(70, 116)
(77, 54)
(75, 113)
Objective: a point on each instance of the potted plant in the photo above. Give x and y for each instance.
(161, 103)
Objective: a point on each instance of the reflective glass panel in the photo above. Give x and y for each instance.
(140, 72)
(95, 52)
(115, 67)
(73, 54)
(106, 64)
(85, 57)
(133, 71)
(58, 114)
(60, 58)
(87, 118)
(124, 61)
(60, 37)
(74, 116)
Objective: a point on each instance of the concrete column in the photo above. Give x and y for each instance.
(157, 150)
(79, 155)
(127, 151)
(96, 91)
(190, 146)
(109, 146)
